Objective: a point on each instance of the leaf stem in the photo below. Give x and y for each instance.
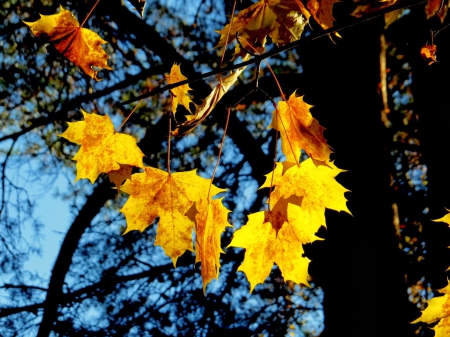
(89, 14)
(128, 117)
(228, 35)
(220, 149)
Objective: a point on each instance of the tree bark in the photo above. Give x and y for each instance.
(102, 192)
(358, 265)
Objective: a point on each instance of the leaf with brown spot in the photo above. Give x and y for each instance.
(102, 149)
(79, 45)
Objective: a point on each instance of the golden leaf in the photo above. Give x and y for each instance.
(303, 193)
(322, 12)
(179, 93)
(282, 20)
(211, 220)
(170, 196)
(102, 149)
(428, 53)
(79, 45)
(299, 130)
(264, 247)
(438, 307)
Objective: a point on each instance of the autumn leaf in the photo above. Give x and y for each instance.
(322, 12)
(437, 7)
(264, 247)
(367, 8)
(428, 53)
(139, 6)
(438, 309)
(209, 103)
(311, 189)
(445, 218)
(170, 196)
(282, 20)
(299, 130)
(211, 219)
(179, 93)
(79, 45)
(102, 149)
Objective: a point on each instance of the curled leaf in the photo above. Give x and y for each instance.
(428, 53)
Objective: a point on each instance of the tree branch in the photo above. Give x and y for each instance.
(94, 202)
(276, 51)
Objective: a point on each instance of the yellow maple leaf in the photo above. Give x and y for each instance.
(438, 309)
(211, 219)
(371, 7)
(102, 149)
(313, 188)
(170, 196)
(299, 130)
(79, 45)
(264, 247)
(179, 93)
(282, 20)
(322, 12)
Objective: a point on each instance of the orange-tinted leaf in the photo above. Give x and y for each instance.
(211, 220)
(139, 6)
(179, 93)
(299, 130)
(117, 177)
(282, 20)
(371, 7)
(170, 196)
(322, 12)
(264, 247)
(102, 149)
(429, 53)
(433, 7)
(79, 45)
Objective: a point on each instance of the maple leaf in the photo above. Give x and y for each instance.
(211, 219)
(102, 149)
(364, 9)
(302, 193)
(445, 218)
(428, 53)
(179, 93)
(438, 309)
(170, 196)
(79, 45)
(322, 12)
(209, 103)
(264, 247)
(439, 7)
(299, 130)
(282, 20)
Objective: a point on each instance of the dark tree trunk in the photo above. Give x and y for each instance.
(359, 264)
